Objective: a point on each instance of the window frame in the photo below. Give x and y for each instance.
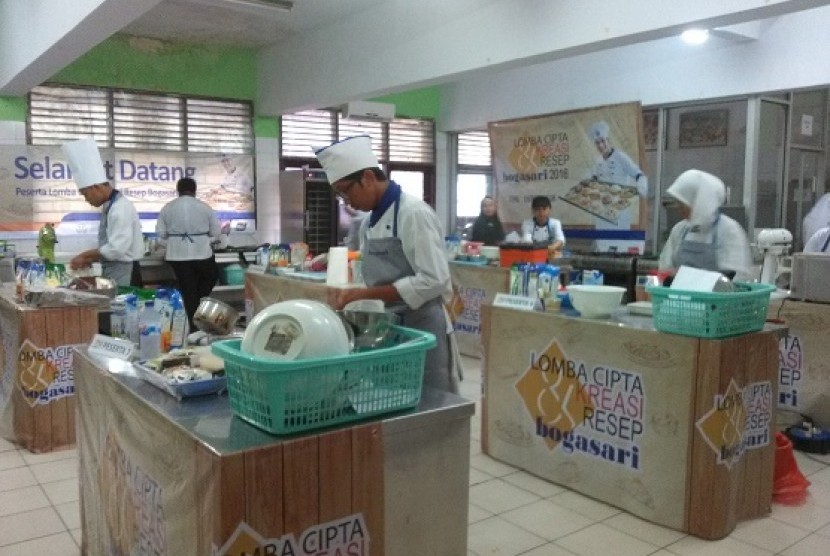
(182, 100)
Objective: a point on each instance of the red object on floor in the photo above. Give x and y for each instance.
(789, 485)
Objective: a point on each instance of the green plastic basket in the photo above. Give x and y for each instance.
(284, 397)
(710, 314)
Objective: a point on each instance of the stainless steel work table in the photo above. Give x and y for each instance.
(190, 478)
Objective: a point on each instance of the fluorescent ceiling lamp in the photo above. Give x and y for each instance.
(276, 5)
(695, 36)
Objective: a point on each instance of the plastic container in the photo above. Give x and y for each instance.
(292, 396)
(522, 253)
(234, 274)
(710, 314)
(149, 332)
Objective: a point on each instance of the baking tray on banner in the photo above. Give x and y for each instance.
(601, 199)
(181, 390)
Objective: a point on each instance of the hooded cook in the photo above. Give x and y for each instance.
(705, 238)
(120, 243)
(402, 247)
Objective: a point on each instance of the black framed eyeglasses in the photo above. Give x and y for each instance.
(344, 193)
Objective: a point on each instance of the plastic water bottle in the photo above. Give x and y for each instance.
(149, 330)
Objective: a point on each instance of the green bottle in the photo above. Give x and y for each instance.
(46, 240)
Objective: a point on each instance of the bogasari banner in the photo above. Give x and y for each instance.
(588, 162)
(36, 187)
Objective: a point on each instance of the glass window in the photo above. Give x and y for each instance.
(474, 178)
(145, 121)
(405, 147)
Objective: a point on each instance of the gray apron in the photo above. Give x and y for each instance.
(119, 271)
(384, 262)
(698, 254)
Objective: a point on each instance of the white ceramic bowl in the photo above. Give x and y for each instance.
(595, 301)
(296, 329)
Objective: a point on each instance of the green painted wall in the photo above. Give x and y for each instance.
(162, 66)
(149, 64)
(13, 109)
(420, 103)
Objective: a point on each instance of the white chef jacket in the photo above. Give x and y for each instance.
(187, 215)
(124, 241)
(423, 245)
(238, 182)
(620, 169)
(816, 242)
(732, 249)
(540, 233)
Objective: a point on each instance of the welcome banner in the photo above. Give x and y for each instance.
(36, 186)
(553, 155)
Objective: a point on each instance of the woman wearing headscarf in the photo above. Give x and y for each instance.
(816, 219)
(705, 238)
(487, 227)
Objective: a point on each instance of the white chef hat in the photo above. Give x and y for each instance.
(346, 157)
(599, 130)
(85, 162)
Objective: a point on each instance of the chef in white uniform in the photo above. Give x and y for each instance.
(402, 247)
(816, 219)
(616, 167)
(120, 243)
(705, 238)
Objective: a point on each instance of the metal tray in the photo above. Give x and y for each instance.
(589, 211)
(181, 390)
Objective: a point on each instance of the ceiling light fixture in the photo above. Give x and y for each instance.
(253, 5)
(695, 36)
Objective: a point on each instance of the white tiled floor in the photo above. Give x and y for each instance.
(511, 512)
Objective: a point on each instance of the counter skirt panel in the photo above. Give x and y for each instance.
(673, 429)
(804, 373)
(37, 388)
(473, 287)
(188, 477)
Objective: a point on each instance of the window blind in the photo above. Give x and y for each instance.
(474, 149)
(145, 121)
(401, 140)
(301, 131)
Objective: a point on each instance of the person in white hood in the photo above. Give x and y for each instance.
(120, 242)
(816, 219)
(705, 238)
(402, 248)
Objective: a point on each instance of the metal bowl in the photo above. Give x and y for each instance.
(215, 317)
(370, 328)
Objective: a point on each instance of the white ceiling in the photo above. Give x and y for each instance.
(226, 23)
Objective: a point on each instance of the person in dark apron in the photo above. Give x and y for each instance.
(120, 241)
(402, 247)
(188, 228)
(704, 238)
(542, 228)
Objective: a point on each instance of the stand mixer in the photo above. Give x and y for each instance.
(774, 243)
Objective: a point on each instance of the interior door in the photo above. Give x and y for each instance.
(801, 192)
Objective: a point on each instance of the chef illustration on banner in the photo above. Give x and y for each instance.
(120, 242)
(624, 180)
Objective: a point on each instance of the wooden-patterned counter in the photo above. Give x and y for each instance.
(804, 355)
(673, 429)
(37, 388)
(159, 476)
(473, 286)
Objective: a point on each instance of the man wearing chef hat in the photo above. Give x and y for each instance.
(402, 247)
(616, 167)
(120, 243)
